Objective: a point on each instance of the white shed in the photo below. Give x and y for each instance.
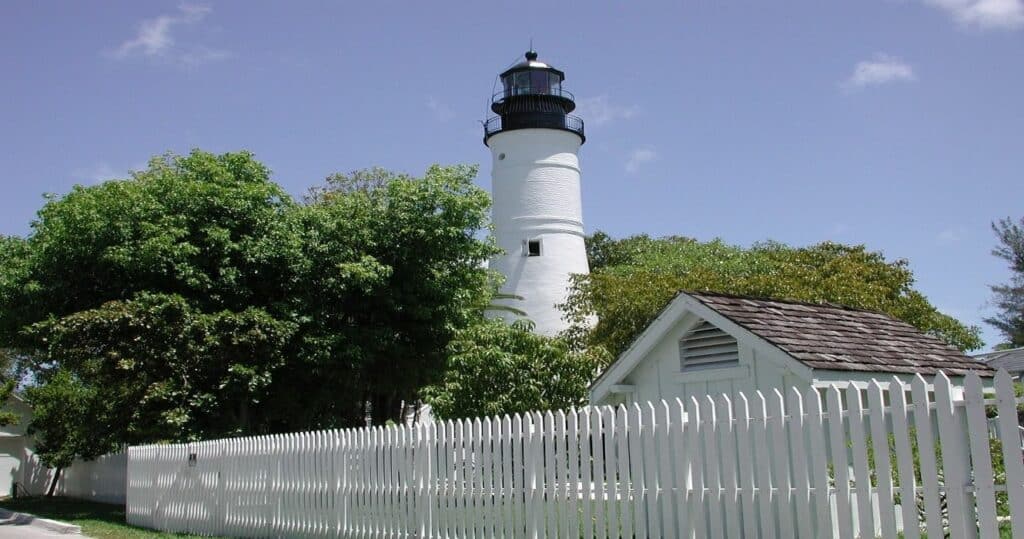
(708, 344)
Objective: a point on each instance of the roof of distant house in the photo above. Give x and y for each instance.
(1012, 360)
(834, 337)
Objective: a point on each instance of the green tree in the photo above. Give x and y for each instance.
(1009, 298)
(498, 368)
(197, 299)
(635, 277)
(9, 377)
(394, 269)
(60, 409)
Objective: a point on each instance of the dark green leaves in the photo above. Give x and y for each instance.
(197, 300)
(635, 277)
(496, 368)
(1009, 298)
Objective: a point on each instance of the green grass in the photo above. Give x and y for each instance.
(1005, 532)
(98, 520)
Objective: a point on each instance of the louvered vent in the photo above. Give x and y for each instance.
(707, 347)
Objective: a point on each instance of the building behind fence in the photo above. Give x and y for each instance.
(101, 480)
(794, 465)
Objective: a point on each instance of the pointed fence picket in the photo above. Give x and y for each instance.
(873, 461)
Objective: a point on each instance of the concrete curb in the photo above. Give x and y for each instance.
(26, 519)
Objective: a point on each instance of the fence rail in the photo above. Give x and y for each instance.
(801, 464)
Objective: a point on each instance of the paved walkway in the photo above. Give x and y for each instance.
(18, 526)
(10, 530)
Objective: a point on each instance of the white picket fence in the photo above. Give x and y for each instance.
(765, 466)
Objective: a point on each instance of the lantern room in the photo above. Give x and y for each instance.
(532, 96)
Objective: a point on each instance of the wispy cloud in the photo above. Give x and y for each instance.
(951, 235)
(442, 112)
(983, 14)
(839, 229)
(638, 158)
(103, 171)
(882, 69)
(600, 110)
(155, 40)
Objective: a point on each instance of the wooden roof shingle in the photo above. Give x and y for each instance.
(833, 337)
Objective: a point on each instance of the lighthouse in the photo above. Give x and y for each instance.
(537, 213)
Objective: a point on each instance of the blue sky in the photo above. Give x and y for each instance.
(896, 124)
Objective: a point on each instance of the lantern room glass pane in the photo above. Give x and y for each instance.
(532, 81)
(539, 82)
(556, 85)
(521, 83)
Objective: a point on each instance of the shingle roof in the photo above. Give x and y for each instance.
(1012, 360)
(832, 337)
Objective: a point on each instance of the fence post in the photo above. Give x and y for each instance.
(666, 479)
(697, 494)
(883, 468)
(904, 459)
(953, 459)
(680, 501)
(586, 474)
(1006, 403)
(600, 492)
(801, 482)
(779, 454)
(981, 458)
(818, 463)
(572, 478)
(861, 473)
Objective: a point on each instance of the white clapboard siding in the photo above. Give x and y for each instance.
(794, 464)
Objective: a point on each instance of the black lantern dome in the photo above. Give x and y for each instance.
(532, 97)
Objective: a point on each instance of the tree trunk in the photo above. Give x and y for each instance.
(243, 417)
(53, 484)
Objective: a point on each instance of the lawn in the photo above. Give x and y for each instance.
(98, 520)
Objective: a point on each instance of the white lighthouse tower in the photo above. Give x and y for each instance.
(537, 214)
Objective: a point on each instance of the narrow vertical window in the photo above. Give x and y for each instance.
(532, 248)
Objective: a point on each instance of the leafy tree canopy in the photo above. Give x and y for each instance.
(633, 278)
(496, 368)
(1009, 297)
(9, 377)
(197, 299)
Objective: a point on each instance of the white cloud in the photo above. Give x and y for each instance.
(154, 39)
(951, 235)
(966, 315)
(442, 112)
(638, 157)
(983, 14)
(103, 171)
(882, 69)
(600, 110)
(839, 229)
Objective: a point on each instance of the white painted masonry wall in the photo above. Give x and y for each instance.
(103, 479)
(659, 375)
(536, 191)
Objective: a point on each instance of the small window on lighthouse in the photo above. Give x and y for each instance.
(531, 248)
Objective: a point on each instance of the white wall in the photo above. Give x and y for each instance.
(536, 191)
(13, 445)
(659, 374)
(11, 451)
(101, 480)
